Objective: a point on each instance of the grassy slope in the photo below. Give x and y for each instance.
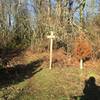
(56, 84)
(60, 83)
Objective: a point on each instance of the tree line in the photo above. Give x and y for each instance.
(26, 23)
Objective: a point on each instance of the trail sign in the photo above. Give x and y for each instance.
(51, 37)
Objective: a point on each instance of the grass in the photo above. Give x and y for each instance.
(59, 83)
(56, 84)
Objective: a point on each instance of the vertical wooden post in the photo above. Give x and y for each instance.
(81, 63)
(51, 37)
(51, 52)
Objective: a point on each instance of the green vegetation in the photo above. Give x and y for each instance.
(56, 84)
(24, 48)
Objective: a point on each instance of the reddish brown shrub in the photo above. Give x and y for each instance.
(82, 48)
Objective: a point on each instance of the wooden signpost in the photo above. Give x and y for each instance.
(51, 37)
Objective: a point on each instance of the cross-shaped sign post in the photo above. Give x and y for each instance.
(51, 37)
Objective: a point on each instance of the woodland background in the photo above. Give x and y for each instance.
(24, 48)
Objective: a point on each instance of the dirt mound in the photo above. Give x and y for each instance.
(62, 58)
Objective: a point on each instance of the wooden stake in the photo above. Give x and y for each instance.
(81, 63)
